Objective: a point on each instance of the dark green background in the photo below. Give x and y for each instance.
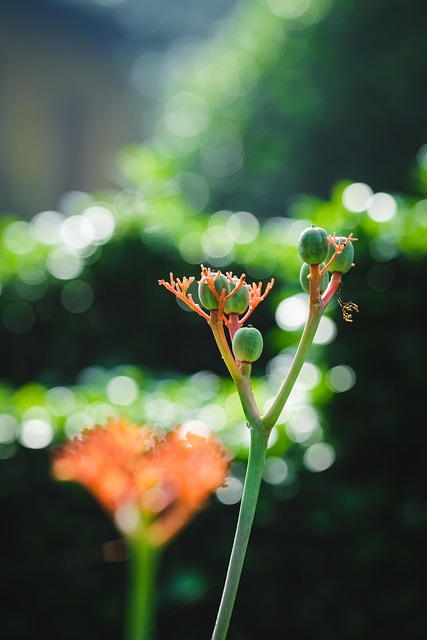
(340, 554)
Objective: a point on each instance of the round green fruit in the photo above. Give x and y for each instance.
(247, 344)
(313, 245)
(207, 298)
(344, 260)
(239, 302)
(303, 278)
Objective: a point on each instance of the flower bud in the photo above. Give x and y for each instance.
(239, 301)
(313, 245)
(303, 278)
(207, 298)
(344, 260)
(247, 344)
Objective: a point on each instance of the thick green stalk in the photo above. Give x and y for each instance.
(143, 558)
(258, 447)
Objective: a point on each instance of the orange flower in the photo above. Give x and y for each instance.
(150, 486)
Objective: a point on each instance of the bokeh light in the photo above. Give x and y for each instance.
(275, 470)
(383, 248)
(341, 378)
(190, 247)
(422, 157)
(8, 428)
(214, 416)
(243, 226)
(60, 400)
(289, 9)
(232, 492)
(102, 224)
(122, 390)
(46, 227)
(382, 207)
(36, 433)
(319, 457)
(186, 114)
(77, 232)
(218, 243)
(17, 237)
(64, 264)
(76, 423)
(302, 425)
(357, 197)
(309, 377)
(326, 331)
(222, 155)
(292, 312)
(197, 427)
(77, 296)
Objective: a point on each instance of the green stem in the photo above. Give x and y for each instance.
(318, 305)
(258, 447)
(143, 558)
(216, 324)
(240, 376)
(273, 413)
(248, 402)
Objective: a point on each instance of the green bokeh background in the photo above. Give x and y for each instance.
(293, 110)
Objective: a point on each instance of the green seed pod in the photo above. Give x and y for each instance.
(207, 298)
(313, 245)
(344, 261)
(239, 302)
(247, 344)
(303, 278)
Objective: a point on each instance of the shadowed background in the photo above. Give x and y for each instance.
(139, 138)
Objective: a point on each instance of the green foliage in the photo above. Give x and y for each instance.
(144, 334)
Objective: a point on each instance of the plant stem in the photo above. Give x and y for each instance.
(143, 557)
(258, 447)
(240, 377)
(248, 402)
(217, 327)
(273, 413)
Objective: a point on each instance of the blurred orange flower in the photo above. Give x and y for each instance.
(151, 486)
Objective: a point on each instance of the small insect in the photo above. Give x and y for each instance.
(347, 308)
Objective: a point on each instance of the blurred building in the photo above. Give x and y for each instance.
(67, 102)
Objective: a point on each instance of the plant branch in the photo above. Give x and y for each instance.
(217, 327)
(272, 415)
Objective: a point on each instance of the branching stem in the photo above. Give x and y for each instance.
(261, 427)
